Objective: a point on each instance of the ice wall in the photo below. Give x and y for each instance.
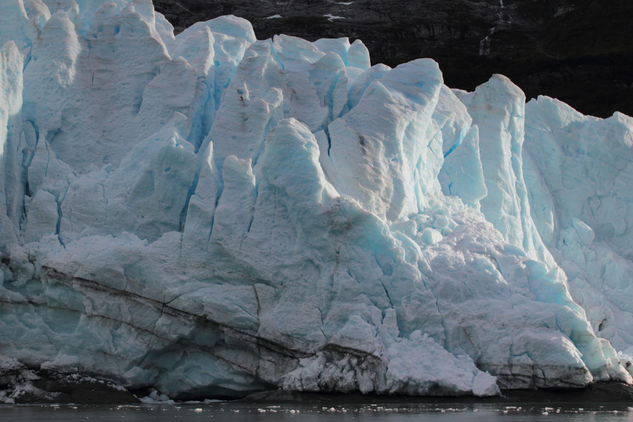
(580, 170)
(209, 215)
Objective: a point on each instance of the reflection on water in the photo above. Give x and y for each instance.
(392, 412)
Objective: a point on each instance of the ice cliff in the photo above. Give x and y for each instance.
(210, 214)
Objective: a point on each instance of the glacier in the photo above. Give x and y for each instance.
(210, 215)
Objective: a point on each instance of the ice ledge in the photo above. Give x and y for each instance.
(261, 363)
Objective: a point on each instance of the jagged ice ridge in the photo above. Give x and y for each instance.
(210, 214)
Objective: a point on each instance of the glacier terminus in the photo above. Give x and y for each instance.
(211, 215)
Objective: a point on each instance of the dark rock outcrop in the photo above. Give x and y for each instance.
(579, 51)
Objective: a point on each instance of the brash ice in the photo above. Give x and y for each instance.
(211, 214)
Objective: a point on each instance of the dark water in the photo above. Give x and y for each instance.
(392, 412)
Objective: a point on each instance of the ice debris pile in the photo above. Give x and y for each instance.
(210, 214)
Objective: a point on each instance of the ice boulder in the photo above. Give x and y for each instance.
(209, 215)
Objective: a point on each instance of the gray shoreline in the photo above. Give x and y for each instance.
(58, 389)
(595, 394)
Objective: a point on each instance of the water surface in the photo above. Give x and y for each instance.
(339, 412)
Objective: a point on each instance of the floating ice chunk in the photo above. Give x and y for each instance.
(333, 18)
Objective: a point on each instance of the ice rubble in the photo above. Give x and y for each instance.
(209, 214)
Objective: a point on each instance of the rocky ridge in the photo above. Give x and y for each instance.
(576, 50)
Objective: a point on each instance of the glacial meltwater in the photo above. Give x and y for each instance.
(339, 412)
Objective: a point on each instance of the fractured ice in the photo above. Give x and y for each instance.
(211, 214)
